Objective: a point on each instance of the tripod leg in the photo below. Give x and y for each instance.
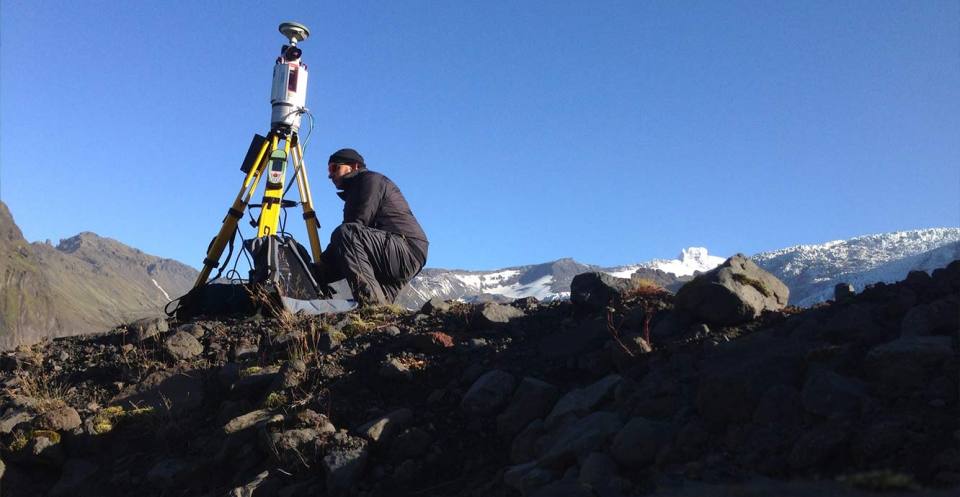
(306, 200)
(234, 213)
(273, 191)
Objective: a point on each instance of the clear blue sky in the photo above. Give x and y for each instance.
(520, 132)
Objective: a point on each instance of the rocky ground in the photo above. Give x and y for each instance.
(624, 390)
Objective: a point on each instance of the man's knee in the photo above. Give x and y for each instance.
(345, 232)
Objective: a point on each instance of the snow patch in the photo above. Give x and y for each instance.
(539, 289)
(164, 292)
(624, 272)
(691, 260)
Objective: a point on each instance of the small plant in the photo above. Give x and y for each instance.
(106, 419)
(252, 370)
(644, 287)
(275, 400)
(268, 300)
(41, 387)
(615, 331)
(357, 325)
(20, 440)
(381, 312)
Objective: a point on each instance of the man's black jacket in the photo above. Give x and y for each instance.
(371, 199)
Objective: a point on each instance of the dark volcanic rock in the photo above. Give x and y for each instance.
(382, 429)
(489, 393)
(638, 443)
(818, 445)
(59, 419)
(904, 365)
(940, 317)
(435, 305)
(434, 341)
(533, 399)
(182, 345)
(491, 314)
(593, 292)
(731, 385)
(580, 439)
(828, 394)
(843, 291)
(344, 463)
(164, 391)
(843, 390)
(76, 473)
(148, 327)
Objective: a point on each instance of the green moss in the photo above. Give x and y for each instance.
(381, 312)
(48, 434)
(746, 280)
(275, 400)
(252, 370)
(357, 326)
(880, 480)
(101, 426)
(106, 419)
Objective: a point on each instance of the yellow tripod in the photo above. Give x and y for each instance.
(268, 156)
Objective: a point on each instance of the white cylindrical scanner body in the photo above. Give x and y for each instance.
(288, 95)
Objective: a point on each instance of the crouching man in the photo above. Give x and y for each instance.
(380, 246)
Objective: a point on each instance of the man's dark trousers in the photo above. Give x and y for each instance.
(376, 263)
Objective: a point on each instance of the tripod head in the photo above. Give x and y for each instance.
(288, 96)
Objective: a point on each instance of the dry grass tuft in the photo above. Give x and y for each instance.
(644, 287)
(48, 393)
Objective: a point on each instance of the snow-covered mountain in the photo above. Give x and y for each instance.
(811, 271)
(546, 282)
(691, 260)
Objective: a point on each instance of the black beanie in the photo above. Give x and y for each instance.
(345, 156)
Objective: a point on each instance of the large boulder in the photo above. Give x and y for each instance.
(734, 292)
(344, 463)
(533, 399)
(493, 315)
(579, 402)
(638, 442)
(382, 429)
(907, 364)
(147, 327)
(581, 438)
(489, 393)
(593, 292)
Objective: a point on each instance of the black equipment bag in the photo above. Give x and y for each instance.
(280, 274)
(280, 262)
(214, 299)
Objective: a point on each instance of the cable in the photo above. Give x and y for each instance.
(303, 150)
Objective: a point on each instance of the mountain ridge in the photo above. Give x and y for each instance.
(91, 283)
(797, 266)
(86, 283)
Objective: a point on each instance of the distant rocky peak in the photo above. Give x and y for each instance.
(72, 244)
(8, 228)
